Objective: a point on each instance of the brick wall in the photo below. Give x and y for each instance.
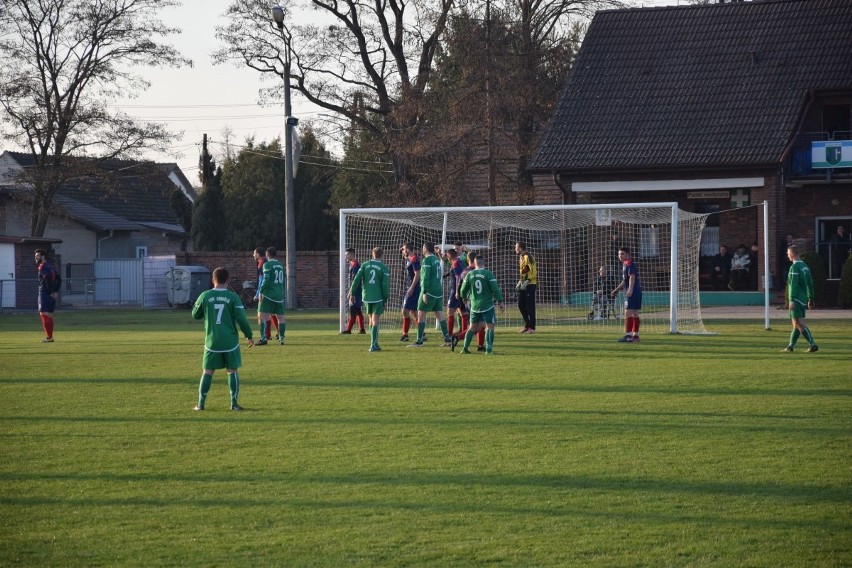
(317, 278)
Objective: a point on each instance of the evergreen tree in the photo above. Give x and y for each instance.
(208, 216)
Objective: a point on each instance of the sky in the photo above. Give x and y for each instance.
(206, 98)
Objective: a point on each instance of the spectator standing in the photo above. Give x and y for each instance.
(841, 246)
(753, 272)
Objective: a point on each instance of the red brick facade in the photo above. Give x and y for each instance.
(317, 279)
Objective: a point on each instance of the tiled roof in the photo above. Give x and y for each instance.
(692, 86)
(138, 192)
(95, 218)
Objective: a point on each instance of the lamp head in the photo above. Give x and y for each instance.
(278, 16)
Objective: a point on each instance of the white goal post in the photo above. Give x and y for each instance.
(570, 243)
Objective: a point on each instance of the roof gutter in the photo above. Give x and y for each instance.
(102, 239)
(567, 196)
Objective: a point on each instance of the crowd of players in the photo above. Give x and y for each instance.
(475, 297)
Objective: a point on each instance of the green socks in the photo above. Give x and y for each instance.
(468, 337)
(421, 331)
(489, 340)
(282, 327)
(445, 330)
(263, 325)
(204, 388)
(234, 387)
(794, 337)
(374, 336)
(808, 336)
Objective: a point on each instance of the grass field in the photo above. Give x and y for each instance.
(559, 450)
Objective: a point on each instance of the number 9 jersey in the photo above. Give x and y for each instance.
(481, 286)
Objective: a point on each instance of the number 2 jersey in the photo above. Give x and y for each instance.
(373, 278)
(222, 311)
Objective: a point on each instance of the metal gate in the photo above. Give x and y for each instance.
(118, 281)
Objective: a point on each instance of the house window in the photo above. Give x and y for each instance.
(837, 121)
(710, 234)
(649, 242)
(141, 252)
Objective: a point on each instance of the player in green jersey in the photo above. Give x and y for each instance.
(480, 285)
(432, 294)
(273, 292)
(222, 311)
(800, 298)
(373, 278)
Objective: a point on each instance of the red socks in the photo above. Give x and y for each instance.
(47, 325)
(451, 323)
(631, 324)
(406, 325)
(360, 318)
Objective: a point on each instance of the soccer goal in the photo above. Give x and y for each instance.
(571, 244)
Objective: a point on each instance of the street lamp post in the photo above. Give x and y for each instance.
(289, 201)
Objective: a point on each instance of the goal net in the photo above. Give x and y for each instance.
(571, 244)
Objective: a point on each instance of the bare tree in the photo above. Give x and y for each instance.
(61, 63)
(381, 50)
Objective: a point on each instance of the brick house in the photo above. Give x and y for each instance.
(714, 107)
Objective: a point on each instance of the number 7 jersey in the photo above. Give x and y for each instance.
(222, 311)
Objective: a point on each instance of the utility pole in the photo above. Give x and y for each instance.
(289, 189)
(205, 162)
(492, 166)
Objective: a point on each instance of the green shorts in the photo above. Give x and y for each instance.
(489, 317)
(220, 360)
(431, 305)
(377, 308)
(798, 311)
(269, 307)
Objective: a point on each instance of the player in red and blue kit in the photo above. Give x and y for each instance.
(633, 292)
(412, 288)
(47, 293)
(265, 330)
(454, 303)
(355, 299)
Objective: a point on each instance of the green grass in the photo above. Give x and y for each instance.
(561, 450)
